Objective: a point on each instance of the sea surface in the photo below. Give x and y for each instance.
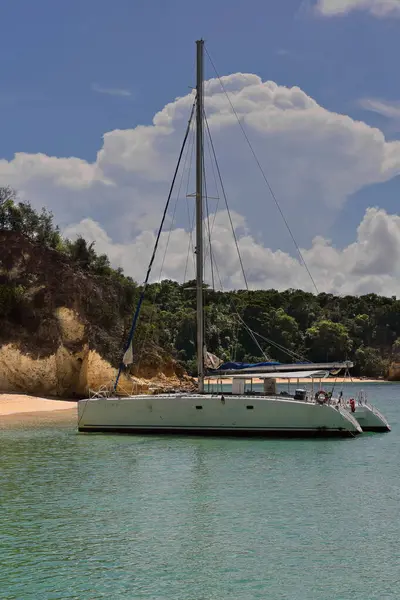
(172, 518)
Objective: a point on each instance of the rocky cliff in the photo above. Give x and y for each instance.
(62, 329)
(394, 371)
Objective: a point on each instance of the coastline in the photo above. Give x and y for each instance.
(22, 409)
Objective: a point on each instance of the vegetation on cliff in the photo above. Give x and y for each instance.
(41, 272)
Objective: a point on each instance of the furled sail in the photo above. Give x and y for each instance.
(237, 366)
(128, 356)
(211, 361)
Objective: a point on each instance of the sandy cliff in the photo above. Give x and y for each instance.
(73, 374)
(65, 335)
(394, 371)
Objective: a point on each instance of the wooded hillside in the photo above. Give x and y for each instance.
(322, 327)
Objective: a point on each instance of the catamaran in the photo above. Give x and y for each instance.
(244, 377)
(237, 412)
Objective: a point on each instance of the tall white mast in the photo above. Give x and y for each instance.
(199, 215)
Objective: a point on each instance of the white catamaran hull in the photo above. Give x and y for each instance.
(208, 414)
(370, 418)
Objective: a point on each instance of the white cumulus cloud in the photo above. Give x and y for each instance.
(370, 264)
(315, 160)
(378, 8)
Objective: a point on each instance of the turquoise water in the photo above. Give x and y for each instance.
(96, 516)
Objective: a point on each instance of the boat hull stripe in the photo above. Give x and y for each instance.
(376, 429)
(219, 431)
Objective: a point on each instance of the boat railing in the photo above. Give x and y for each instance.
(376, 412)
(362, 398)
(102, 392)
(107, 391)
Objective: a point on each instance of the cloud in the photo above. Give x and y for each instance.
(315, 160)
(378, 8)
(110, 91)
(370, 264)
(391, 110)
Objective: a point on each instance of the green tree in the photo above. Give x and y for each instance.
(328, 341)
(11, 297)
(283, 330)
(396, 349)
(81, 252)
(370, 362)
(21, 217)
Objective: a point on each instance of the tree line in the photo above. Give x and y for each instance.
(239, 325)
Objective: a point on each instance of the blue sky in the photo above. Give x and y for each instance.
(52, 53)
(71, 71)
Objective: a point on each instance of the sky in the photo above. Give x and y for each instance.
(95, 97)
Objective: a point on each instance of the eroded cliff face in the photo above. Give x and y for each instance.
(394, 371)
(68, 374)
(65, 337)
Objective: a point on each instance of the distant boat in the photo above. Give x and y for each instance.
(235, 413)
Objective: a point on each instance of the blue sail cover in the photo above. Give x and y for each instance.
(236, 366)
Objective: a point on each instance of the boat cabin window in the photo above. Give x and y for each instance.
(249, 407)
(198, 407)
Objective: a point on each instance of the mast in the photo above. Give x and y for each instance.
(199, 216)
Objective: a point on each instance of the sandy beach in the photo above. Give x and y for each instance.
(24, 409)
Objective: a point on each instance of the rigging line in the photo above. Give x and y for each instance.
(149, 331)
(235, 341)
(208, 224)
(215, 181)
(187, 262)
(226, 201)
(235, 310)
(249, 331)
(190, 218)
(190, 245)
(211, 229)
(175, 206)
(146, 281)
(275, 344)
(263, 173)
(282, 348)
(254, 333)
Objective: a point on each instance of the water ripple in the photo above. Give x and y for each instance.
(88, 517)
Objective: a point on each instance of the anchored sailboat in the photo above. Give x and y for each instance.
(223, 413)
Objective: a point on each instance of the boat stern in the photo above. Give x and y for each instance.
(371, 419)
(351, 423)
